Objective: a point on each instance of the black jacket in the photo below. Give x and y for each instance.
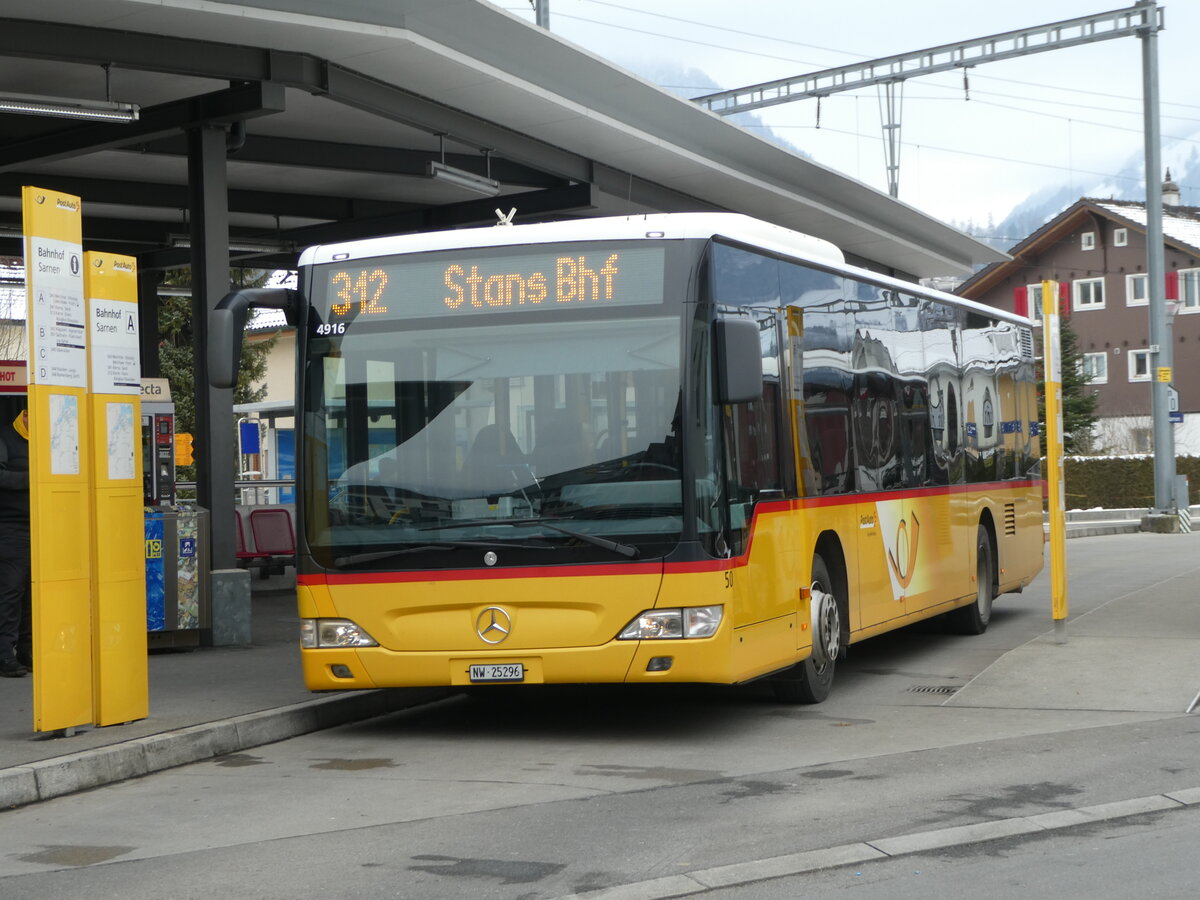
(14, 485)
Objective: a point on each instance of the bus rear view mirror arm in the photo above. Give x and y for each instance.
(227, 322)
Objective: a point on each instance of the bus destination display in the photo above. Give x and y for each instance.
(467, 284)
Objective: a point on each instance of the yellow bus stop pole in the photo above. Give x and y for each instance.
(119, 665)
(60, 478)
(1052, 357)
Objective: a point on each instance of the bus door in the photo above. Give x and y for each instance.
(755, 450)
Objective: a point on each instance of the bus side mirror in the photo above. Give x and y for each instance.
(738, 361)
(225, 328)
(228, 320)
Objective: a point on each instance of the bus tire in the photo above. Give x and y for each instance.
(974, 618)
(811, 680)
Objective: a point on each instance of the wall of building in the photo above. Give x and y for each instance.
(1119, 327)
(280, 377)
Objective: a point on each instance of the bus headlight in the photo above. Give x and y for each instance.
(672, 624)
(701, 621)
(315, 633)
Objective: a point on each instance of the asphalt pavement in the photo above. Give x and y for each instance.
(210, 702)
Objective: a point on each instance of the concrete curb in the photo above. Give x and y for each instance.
(61, 775)
(1100, 528)
(740, 874)
(1096, 522)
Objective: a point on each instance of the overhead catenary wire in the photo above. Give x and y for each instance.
(1048, 95)
(1041, 86)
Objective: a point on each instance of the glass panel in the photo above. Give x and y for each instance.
(1189, 288)
(877, 347)
(939, 345)
(486, 434)
(753, 464)
(1137, 289)
(984, 342)
(1035, 300)
(828, 379)
(751, 441)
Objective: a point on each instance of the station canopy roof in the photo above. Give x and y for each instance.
(335, 111)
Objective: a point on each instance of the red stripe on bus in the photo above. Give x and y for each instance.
(601, 570)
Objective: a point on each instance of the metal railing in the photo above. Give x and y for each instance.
(263, 492)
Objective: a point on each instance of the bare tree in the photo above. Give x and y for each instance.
(13, 342)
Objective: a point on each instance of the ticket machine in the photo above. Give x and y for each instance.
(158, 443)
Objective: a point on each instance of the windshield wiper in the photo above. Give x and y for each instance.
(377, 555)
(626, 550)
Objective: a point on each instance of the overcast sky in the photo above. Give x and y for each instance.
(1072, 115)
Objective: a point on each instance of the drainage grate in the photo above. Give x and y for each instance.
(934, 689)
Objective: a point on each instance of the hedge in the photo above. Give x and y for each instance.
(1121, 482)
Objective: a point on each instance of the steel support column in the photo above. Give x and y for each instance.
(1161, 360)
(215, 445)
(148, 281)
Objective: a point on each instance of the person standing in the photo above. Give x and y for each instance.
(16, 644)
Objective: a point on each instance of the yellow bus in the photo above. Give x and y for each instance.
(667, 448)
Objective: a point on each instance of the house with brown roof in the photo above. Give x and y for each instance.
(1096, 251)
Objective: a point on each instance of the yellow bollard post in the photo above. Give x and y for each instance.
(1052, 358)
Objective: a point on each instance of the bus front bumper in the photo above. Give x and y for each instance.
(694, 660)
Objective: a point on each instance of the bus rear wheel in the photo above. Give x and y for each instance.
(974, 619)
(810, 681)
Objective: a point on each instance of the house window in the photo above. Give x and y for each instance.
(1087, 240)
(1034, 293)
(1094, 367)
(1089, 293)
(1189, 290)
(1136, 289)
(1139, 365)
(1120, 237)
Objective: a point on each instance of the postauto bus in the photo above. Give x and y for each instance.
(666, 448)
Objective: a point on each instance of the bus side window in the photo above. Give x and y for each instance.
(753, 449)
(752, 459)
(827, 416)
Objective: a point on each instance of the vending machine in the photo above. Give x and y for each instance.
(177, 564)
(158, 443)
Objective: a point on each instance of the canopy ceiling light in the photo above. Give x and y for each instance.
(237, 245)
(68, 108)
(480, 184)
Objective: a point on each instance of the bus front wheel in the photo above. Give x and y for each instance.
(810, 681)
(974, 618)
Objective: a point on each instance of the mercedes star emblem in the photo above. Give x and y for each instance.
(493, 625)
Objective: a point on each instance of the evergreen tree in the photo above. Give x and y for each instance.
(1078, 398)
(177, 349)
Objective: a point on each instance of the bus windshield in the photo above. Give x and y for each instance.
(536, 438)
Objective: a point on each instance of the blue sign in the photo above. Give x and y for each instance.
(155, 574)
(1176, 418)
(248, 434)
(187, 546)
